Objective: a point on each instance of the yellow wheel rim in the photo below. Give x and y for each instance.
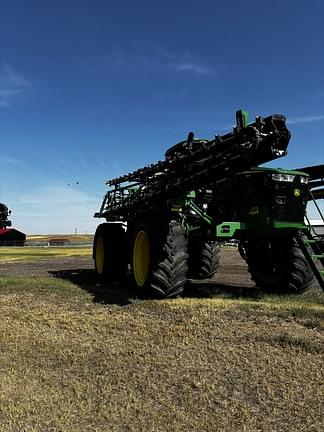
(100, 255)
(141, 258)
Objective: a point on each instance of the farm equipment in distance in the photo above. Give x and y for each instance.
(166, 220)
(4, 214)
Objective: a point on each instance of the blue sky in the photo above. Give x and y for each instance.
(90, 90)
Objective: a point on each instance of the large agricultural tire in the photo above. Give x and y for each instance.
(278, 266)
(159, 258)
(110, 251)
(204, 258)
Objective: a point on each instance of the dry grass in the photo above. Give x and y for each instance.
(75, 238)
(68, 364)
(13, 254)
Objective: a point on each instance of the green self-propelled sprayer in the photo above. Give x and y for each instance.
(166, 220)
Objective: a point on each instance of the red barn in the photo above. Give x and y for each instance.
(12, 237)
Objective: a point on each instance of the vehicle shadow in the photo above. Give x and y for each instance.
(214, 289)
(114, 292)
(123, 293)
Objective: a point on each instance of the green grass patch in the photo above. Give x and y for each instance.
(12, 254)
(42, 286)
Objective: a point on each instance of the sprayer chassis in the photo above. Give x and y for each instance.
(167, 219)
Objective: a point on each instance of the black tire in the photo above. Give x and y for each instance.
(278, 266)
(159, 258)
(110, 251)
(204, 258)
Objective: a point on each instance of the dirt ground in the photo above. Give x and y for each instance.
(232, 276)
(233, 269)
(45, 267)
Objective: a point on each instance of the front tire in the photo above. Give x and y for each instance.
(278, 265)
(159, 258)
(110, 251)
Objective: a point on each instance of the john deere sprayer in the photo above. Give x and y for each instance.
(166, 220)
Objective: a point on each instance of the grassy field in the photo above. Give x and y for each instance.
(11, 254)
(74, 238)
(71, 364)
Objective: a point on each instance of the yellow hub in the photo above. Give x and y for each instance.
(100, 255)
(141, 258)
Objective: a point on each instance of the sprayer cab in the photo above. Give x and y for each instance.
(264, 199)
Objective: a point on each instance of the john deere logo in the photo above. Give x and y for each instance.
(296, 192)
(254, 211)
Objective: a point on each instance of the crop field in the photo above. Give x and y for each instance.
(78, 356)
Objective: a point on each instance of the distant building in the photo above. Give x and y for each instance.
(12, 237)
(58, 242)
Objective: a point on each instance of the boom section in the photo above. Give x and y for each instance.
(198, 163)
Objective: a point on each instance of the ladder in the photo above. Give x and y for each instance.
(311, 247)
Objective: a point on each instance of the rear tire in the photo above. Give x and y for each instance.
(204, 258)
(159, 258)
(278, 266)
(110, 251)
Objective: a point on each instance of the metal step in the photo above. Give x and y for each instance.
(317, 257)
(306, 241)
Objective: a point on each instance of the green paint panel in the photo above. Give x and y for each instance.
(229, 229)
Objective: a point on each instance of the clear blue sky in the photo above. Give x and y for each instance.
(90, 90)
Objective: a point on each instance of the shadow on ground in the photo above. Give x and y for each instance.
(210, 289)
(115, 292)
(123, 293)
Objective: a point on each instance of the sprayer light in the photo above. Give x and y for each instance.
(304, 180)
(283, 177)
